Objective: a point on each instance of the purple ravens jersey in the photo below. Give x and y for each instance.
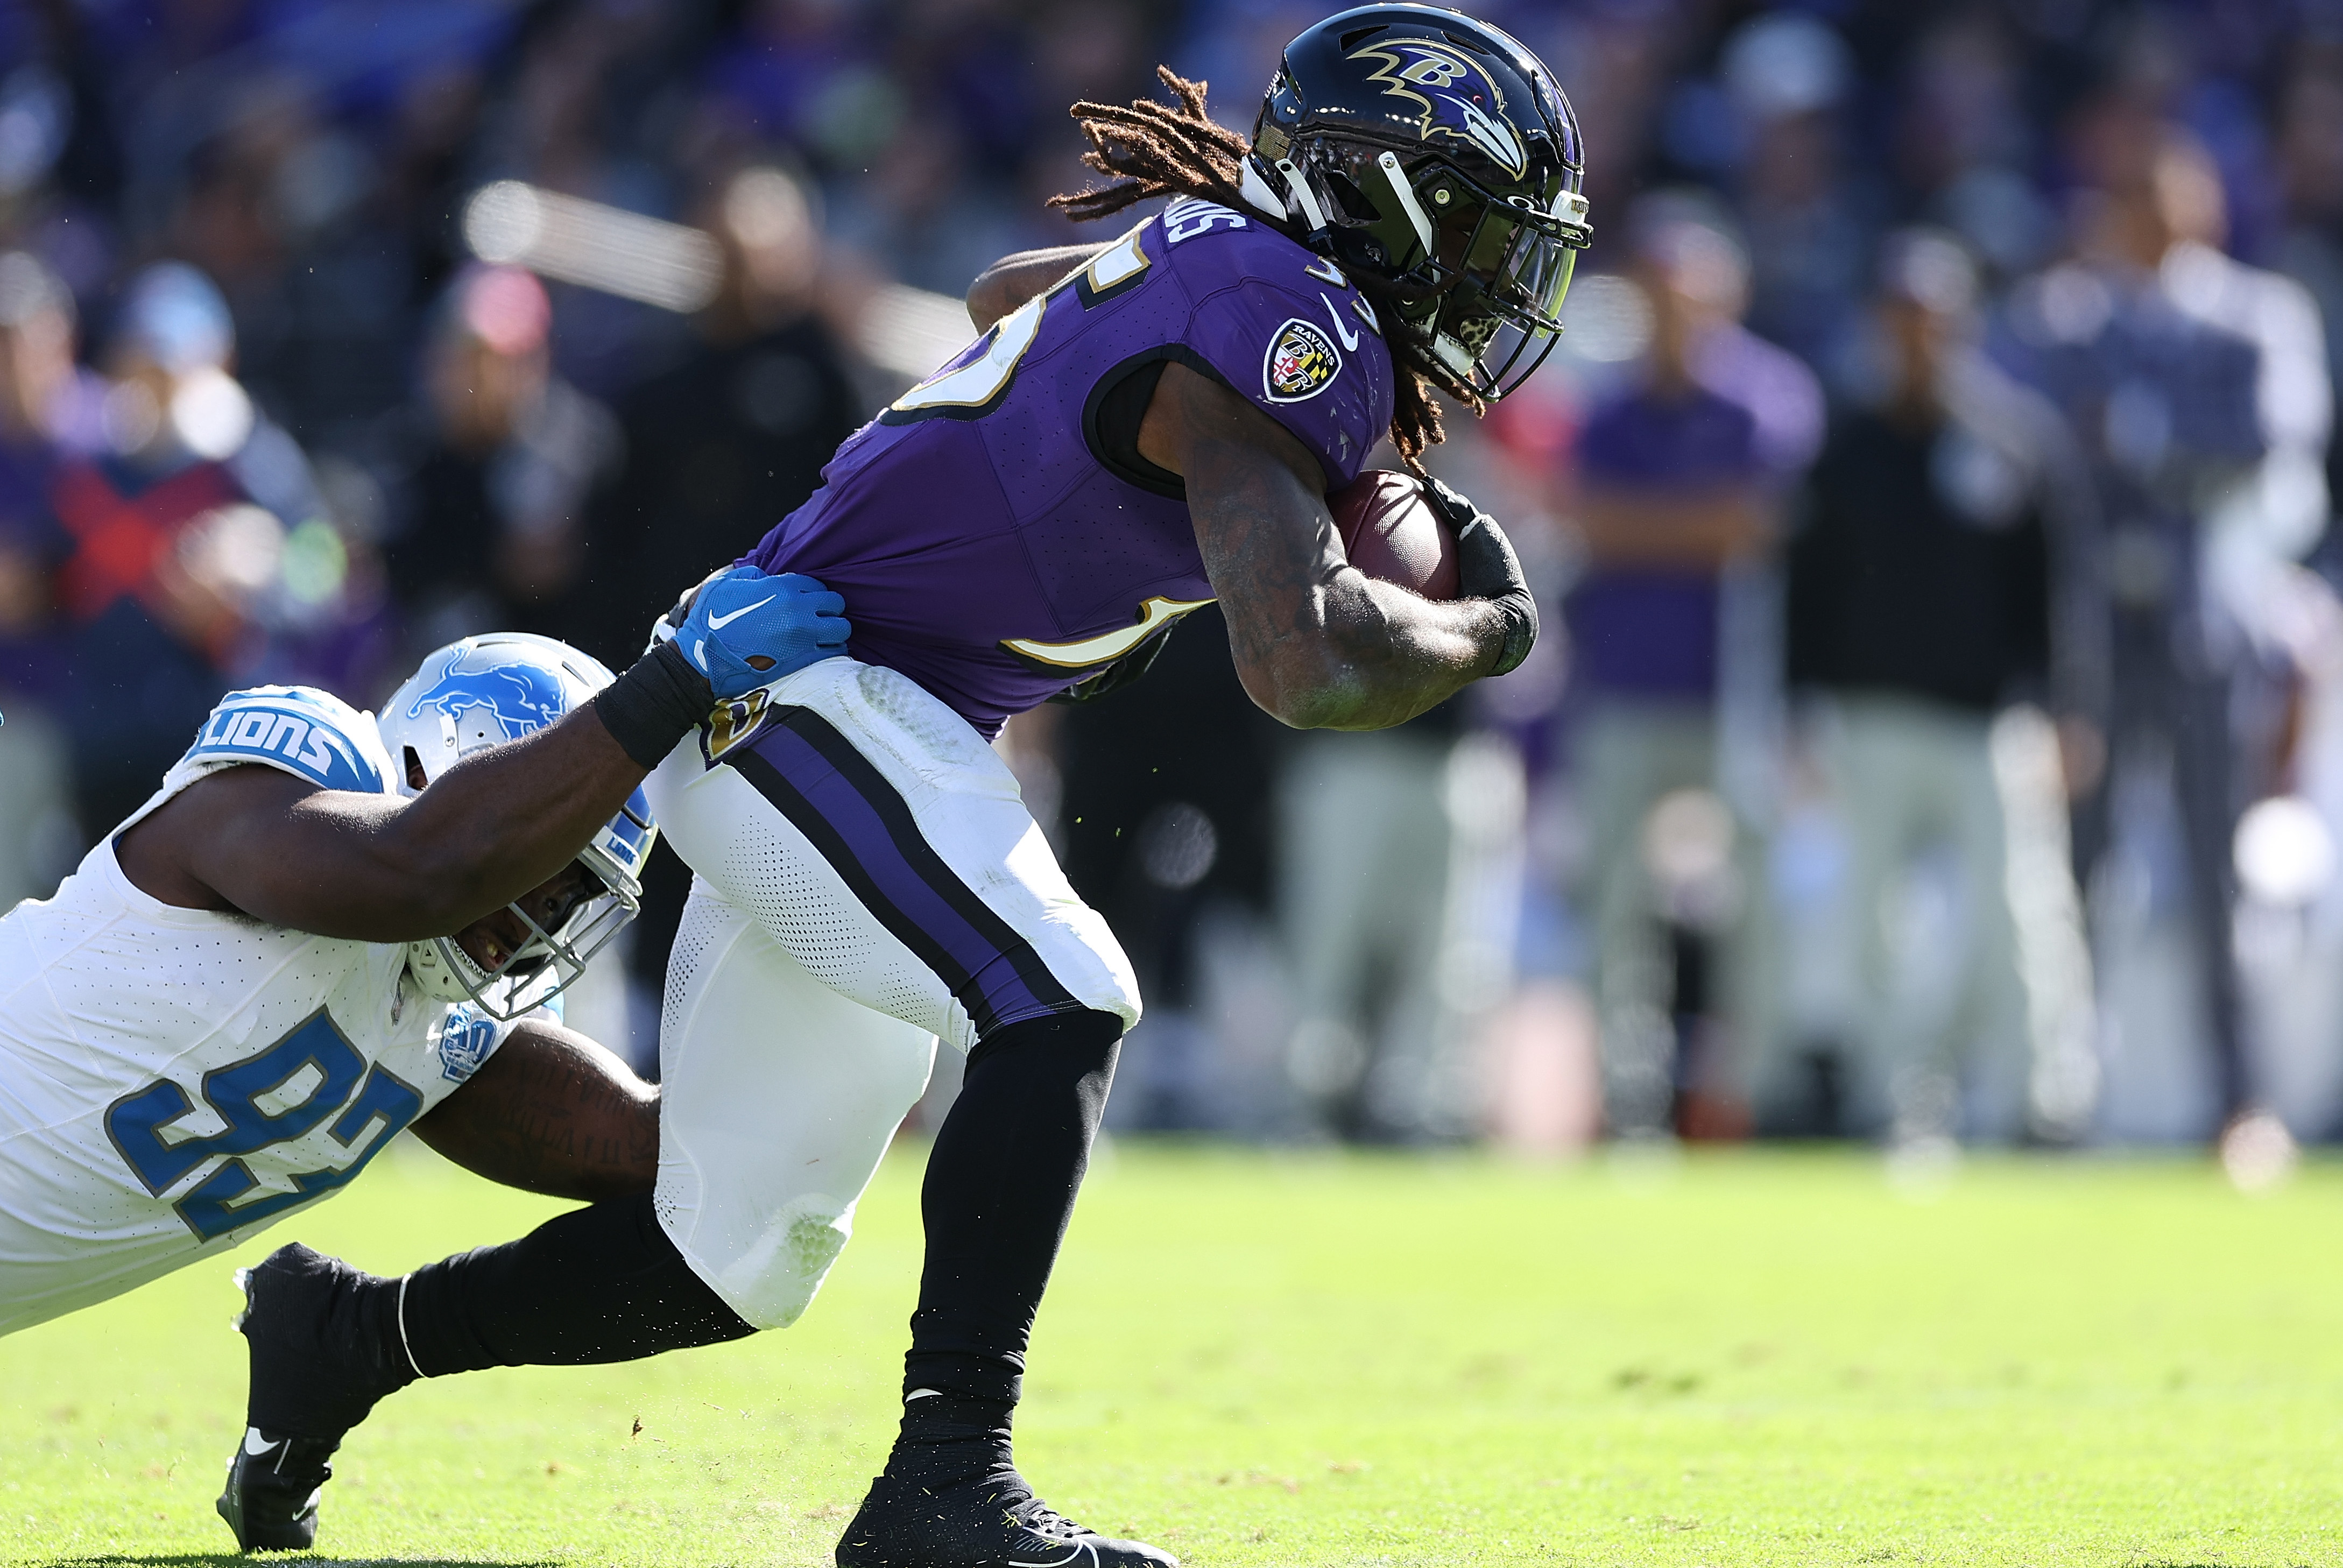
(995, 532)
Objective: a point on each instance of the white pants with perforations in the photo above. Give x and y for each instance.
(867, 880)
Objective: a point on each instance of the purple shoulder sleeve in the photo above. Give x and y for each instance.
(1286, 329)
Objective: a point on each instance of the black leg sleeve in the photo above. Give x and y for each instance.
(1000, 1189)
(598, 1284)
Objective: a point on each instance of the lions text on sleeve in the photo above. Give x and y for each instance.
(173, 1080)
(994, 530)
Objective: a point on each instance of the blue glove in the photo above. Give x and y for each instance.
(745, 629)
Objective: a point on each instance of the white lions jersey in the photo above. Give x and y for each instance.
(173, 1080)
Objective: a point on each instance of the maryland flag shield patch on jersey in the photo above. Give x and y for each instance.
(1302, 363)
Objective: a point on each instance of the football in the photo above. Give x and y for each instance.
(1390, 531)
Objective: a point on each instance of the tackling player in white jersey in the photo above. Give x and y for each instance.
(250, 987)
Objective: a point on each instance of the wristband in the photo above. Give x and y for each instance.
(658, 701)
(1520, 611)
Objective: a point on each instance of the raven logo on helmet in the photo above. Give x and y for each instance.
(1457, 96)
(1430, 152)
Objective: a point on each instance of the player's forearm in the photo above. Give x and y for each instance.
(1317, 643)
(494, 826)
(503, 821)
(1385, 655)
(372, 868)
(1014, 279)
(553, 1112)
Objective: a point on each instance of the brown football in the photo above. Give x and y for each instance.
(1390, 531)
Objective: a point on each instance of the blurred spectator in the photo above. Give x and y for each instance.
(719, 448)
(2198, 387)
(312, 162)
(1363, 899)
(494, 532)
(1166, 818)
(1919, 603)
(1964, 139)
(735, 436)
(1787, 73)
(1681, 477)
(2311, 167)
(178, 535)
(37, 387)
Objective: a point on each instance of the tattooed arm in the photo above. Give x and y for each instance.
(551, 1112)
(1318, 643)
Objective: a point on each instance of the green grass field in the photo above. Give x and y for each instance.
(1746, 1358)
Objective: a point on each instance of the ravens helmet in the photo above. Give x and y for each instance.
(1430, 151)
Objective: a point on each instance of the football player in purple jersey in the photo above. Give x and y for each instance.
(1142, 427)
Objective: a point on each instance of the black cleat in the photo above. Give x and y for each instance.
(316, 1372)
(271, 1501)
(993, 1521)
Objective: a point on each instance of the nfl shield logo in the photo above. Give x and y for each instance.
(1302, 362)
(465, 1040)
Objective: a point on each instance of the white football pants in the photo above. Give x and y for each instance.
(868, 879)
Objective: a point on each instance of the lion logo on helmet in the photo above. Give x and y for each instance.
(521, 698)
(1456, 97)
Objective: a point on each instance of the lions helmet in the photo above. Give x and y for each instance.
(477, 693)
(1435, 154)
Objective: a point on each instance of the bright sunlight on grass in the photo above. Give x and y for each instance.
(1741, 1359)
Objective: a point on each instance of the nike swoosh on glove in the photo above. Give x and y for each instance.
(745, 629)
(1486, 568)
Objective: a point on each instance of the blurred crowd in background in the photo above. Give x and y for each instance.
(1938, 730)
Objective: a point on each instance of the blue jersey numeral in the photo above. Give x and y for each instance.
(275, 1095)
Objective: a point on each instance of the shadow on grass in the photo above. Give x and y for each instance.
(291, 1560)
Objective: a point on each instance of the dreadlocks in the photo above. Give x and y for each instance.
(1156, 149)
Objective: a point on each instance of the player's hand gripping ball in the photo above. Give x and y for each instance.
(1391, 532)
(1487, 568)
(1428, 537)
(745, 629)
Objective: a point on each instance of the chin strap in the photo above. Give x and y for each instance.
(1303, 196)
(1258, 192)
(1405, 193)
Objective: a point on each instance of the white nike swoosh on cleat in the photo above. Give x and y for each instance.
(719, 622)
(255, 1444)
(1074, 1555)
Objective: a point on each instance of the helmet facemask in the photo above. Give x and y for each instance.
(601, 900)
(1431, 153)
(484, 692)
(1502, 313)
(1482, 276)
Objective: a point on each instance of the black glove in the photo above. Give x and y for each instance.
(1486, 568)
